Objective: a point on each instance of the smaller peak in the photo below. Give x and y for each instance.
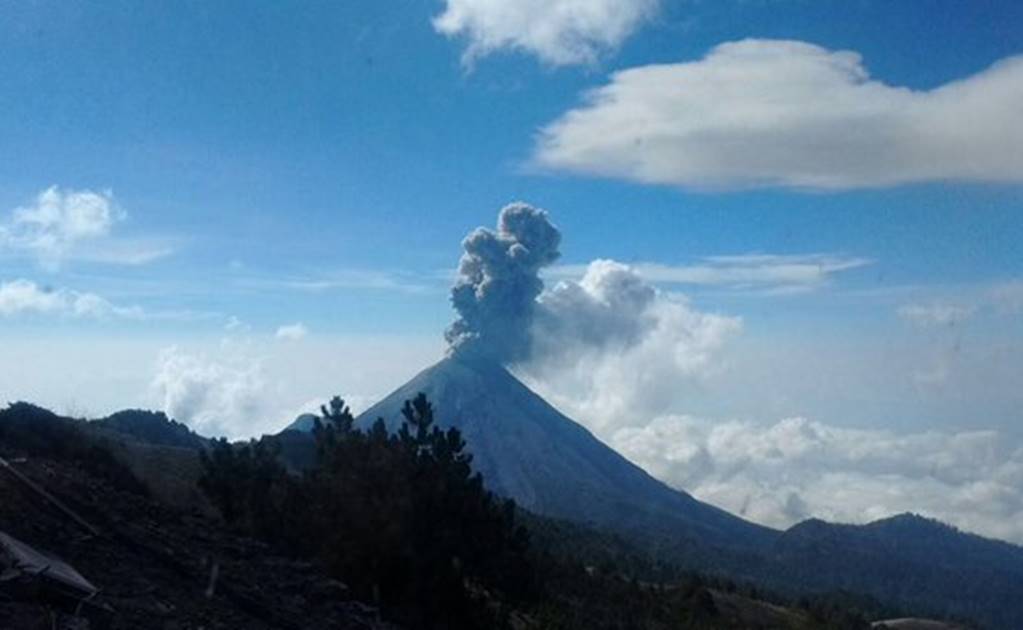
(910, 519)
(304, 423)
(809, 527)
(153, 427)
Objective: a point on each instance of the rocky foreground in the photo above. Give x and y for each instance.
(153, 567)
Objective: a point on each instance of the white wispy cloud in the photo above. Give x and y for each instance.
(936, 314)
(292, 332)
(765, 273)
(558, 32)
(62, 224)
(130, 252)
(1003, 298)
(782, 472)
(24, 296)
(771, 113)
(361, 279)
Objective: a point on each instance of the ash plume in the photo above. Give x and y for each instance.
(498, 283)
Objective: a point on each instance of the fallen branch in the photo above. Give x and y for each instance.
(52, 500)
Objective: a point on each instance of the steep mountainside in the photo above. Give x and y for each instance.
(551, 465)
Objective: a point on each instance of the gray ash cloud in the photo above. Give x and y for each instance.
(498, 283)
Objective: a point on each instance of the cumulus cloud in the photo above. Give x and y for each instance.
(498, 283)
(57, 220)
(215, 396)
(936, 314)
(770, 113)
(247, 385)
(763, 273)
(796, 468)
(292, 332)
(24, 296)
(610, 346)
(558, 32)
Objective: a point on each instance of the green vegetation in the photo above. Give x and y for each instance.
(405, 523)
(400, 518)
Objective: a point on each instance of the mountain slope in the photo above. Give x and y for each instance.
(529, 451)
(152, 427)
(919, 564)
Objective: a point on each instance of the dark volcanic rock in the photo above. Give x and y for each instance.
(155, 566)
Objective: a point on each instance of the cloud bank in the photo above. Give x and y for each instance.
(796, 468)
(558, 32)
(610, 346)
(772, 113)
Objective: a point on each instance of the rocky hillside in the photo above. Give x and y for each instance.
(152, 566)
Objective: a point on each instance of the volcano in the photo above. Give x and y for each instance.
(528, 451)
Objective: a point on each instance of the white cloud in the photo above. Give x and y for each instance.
(772, 113)
(796, 468)
(936, 314)
(23, 296)
(234, 324)
(626, 360)
(223, 396)
(1003, 298)
(292, 332)
(368, 279)
(610, 346)
(247, 386)
(57, 220)
(130, 252)
(19, 296)
(767, 273)
(64, 224)
(558, 32)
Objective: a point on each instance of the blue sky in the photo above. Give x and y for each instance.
(265, 165)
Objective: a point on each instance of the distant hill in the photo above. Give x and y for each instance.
(920, 564)
(304, 423)
(152, 427)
